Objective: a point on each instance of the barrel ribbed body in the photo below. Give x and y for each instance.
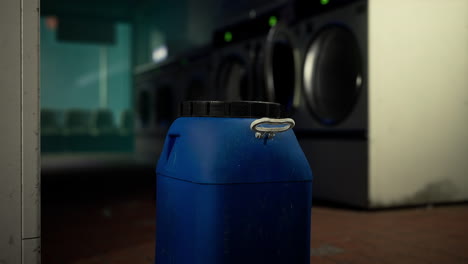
(225, 196)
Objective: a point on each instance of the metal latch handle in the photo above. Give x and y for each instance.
(274, 125)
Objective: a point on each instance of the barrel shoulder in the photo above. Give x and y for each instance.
(225, 150)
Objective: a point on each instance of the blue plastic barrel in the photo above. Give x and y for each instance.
(226, 194)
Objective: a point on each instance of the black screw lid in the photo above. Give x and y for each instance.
(247, 109)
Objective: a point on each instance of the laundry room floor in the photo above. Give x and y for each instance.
(109, 218)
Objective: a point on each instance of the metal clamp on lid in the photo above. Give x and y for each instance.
(270, 126)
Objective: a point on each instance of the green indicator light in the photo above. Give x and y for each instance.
(184, 62)
(324, 2)
(272, 21)
(228, 36)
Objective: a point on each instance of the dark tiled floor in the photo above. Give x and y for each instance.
(87, 220)
(421, 235)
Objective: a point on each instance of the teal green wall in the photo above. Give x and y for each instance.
(120, 70)
(70, 72)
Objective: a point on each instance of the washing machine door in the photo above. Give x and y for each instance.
(164, 105)
(232, 79)
(195, 89)
(144, 107)
(332, 74)
(282, 68)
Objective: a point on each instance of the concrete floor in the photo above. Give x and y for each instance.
(109, 217)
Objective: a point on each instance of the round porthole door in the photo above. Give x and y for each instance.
(196, 89)
(232, 79)
(164, 104)
(332, 75)
(144, 108)
(282, 64)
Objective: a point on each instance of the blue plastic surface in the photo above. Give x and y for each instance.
(224, 196)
